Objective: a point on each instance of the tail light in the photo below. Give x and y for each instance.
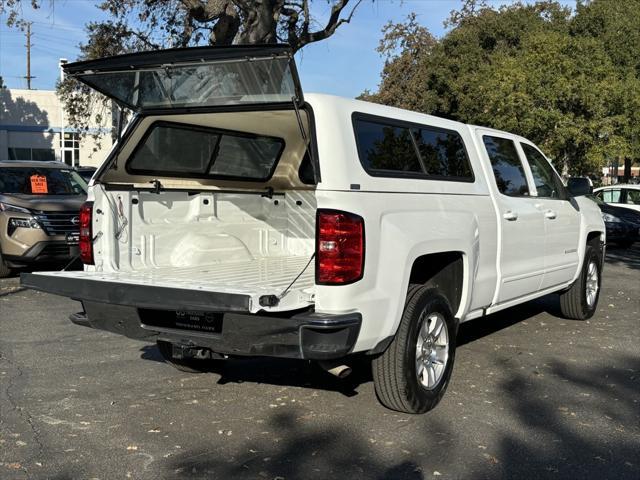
(86, 233)
(339, 247)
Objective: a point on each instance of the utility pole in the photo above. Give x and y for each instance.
(28, 45)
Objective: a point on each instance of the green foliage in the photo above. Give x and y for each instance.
(567, 80)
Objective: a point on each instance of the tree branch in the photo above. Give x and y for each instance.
(330, 28)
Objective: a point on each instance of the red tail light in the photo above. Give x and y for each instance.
(86, 233)
(339, 247)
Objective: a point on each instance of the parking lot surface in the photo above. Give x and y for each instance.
(532, 396)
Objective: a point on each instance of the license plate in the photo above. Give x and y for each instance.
(73, 238)
(210, 322)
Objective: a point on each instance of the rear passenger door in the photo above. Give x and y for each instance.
(522, 250)
(561, 219)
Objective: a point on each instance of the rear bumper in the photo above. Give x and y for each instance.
(307, 335)
(123, 309)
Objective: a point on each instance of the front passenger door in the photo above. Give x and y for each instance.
(561, 219)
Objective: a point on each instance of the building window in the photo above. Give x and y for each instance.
(38, 154)
(70, 149)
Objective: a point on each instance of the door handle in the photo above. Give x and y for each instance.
(550, 214)
(510, 215)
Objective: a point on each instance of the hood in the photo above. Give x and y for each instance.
(45, 203)
(626, 214)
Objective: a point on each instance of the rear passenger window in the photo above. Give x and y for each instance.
(443, 153)
(386, 148)
(507, 167)
(398, 149)
(611, 196)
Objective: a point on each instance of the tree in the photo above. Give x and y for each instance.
(2, 85)
(141, 25)
(566, 81)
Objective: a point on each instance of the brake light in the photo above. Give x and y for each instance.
(339, 247)
(86, 233)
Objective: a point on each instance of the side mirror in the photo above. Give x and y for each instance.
(578, 186)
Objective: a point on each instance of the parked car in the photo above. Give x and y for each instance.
(86, 172)
(39, 214)
(622, 224)
(237, 217)
(621, 195)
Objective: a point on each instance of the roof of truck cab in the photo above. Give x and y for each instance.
(34, 164)
(361, 106)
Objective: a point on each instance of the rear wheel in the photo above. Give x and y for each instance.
(189, 365)
(581, 300)
(412, 375)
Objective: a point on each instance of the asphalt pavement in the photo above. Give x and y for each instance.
(532, 396)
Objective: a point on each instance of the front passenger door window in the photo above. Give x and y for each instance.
(507, 167)
(547, 182)
(633, 197)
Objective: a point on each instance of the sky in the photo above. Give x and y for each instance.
(346, 64)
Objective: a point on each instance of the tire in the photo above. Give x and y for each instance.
(396, 371)
(580, 301)
(188, 365)
(4, 270)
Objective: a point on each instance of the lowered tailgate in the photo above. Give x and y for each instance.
(233, 287)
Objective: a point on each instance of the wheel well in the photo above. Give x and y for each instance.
(443, 271)
(594, 237)
(595, 240)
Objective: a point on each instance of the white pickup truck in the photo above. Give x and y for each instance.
(236, 217)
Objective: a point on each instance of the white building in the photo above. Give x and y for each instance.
(32, 126)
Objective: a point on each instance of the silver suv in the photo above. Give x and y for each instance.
(39, 207)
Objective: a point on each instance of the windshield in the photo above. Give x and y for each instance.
(41, 181)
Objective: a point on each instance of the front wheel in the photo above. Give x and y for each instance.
(581, 300)
(412, 375)
(4, 270)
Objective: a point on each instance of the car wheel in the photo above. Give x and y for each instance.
(188, 365)
(412, 375)
(581, 300)
(4, 270)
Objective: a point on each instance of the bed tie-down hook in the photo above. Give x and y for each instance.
(157, 186)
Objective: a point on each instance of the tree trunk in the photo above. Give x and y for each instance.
(260, 23)
(627, 170)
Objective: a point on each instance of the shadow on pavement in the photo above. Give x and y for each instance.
(541, 434)
(297, 451)
(573, 427)
(630, 257)
(482, 327)
(279, 371)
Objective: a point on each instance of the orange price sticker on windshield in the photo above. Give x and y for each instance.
(39, 184)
